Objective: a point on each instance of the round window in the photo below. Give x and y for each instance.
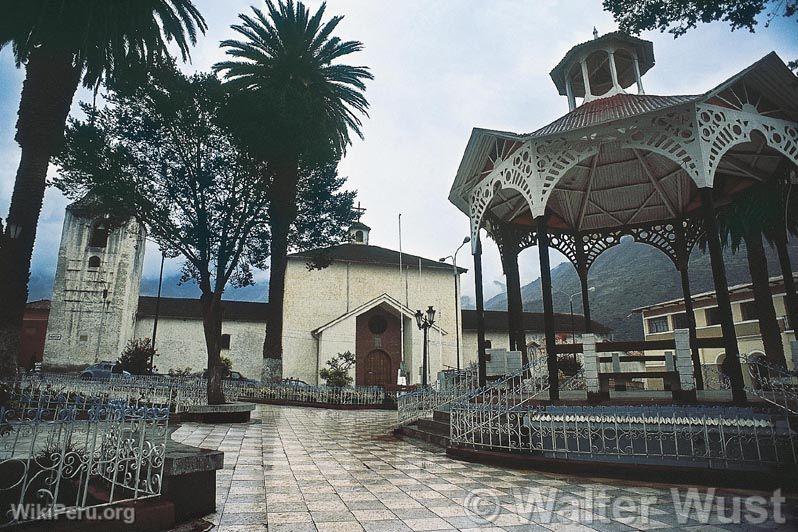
(377, 324)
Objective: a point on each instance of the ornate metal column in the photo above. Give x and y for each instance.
(582, 268)
(508, 241)
(548, 307)
(682, 261)
(480, 311)
(722, 295)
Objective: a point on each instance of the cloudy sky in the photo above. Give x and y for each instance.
(441, 67)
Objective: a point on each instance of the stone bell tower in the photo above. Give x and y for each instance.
(96, 287)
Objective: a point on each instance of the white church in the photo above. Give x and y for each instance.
(363, 300)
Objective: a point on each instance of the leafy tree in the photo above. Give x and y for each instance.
(159, 152)
(302, 105)
(61, 43)
(679, 16)
(138, 357)
(337, 372)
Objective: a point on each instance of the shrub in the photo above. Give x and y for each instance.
(227, 366)
(136, 357)
(337, 374)
(177, 372)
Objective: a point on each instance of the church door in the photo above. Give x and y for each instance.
(378, 368)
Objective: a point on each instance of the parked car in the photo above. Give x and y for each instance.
(232, 376)
(296, 383)
(100, 370)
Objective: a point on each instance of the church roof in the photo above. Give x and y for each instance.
(496, 320)
(382, 299)
(178, 307)
(366, 254)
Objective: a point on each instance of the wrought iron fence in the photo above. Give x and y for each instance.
(77, 452)
(457, 385)
(181, 393)
(773, 384)
(714, 437)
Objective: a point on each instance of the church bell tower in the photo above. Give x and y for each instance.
(96, 287)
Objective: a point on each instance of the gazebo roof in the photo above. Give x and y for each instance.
(630, 159)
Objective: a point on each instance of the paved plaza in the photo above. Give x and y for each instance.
(305, 469)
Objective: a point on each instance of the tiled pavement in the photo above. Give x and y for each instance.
(304, 469)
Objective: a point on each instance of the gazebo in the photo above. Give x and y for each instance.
(653, 168)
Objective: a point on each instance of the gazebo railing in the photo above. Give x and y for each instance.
(773, 384)
(422, 402)
(699, 436)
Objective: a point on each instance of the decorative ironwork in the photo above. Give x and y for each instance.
(421, 403)
(78, 452)
(565, 243)
(721, 129)
(708, 436)
(596, 243)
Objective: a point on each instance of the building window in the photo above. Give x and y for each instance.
(658, 325)
(359, 236)
(94, 262)
(225, 341)
(748, 310)
(99, 235)
(680, 321)
(377, 324)
(712, 315)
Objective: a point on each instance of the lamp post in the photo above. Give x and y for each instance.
(453, 256)
(425, 320)
(571, 303)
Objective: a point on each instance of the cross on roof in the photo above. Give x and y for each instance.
(359, 210)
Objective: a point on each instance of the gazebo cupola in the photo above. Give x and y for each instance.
(603, 67)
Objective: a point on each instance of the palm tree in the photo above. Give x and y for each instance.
(297, 105)
(61, 43)
(745, 220)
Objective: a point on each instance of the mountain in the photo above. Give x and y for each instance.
(172, 288)
(632, 275)
(41, 287)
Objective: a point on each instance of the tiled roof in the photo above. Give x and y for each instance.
(496, 320)
(367, 254)
(174, 307)
(41, 304)
(610, 109)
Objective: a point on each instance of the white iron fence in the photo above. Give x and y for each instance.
(456, 385)
(60, 453)
(699, 436)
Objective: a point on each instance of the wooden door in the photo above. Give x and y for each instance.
(378, 369)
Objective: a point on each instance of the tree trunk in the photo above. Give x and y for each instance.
(50, 84)
(766, 313)
(211, 303)
(282, 213)
(790, 298)
(515, 305)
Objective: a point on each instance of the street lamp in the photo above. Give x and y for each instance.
(453, 256)
(424, 322)
(571, 303)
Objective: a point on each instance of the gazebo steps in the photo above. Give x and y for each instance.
(434, 431)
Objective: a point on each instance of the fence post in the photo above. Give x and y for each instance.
(684, 366)
(591, 365)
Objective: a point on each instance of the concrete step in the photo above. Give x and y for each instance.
(414, 431)
(435, 427)
(441, 416)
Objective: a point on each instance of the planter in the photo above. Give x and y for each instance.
(224, 413)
